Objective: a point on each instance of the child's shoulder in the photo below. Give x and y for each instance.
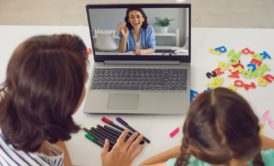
(268, 157)
(191, 162)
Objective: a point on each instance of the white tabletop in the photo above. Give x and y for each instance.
(157, 127)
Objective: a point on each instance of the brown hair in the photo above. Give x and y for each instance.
(220, 126)
(129, 26)
(45, 80)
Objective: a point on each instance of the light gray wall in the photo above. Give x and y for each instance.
(107, 19)
(205, 13)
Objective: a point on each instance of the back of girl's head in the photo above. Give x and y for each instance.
(44, 83)
(145, 23)
(220, 126)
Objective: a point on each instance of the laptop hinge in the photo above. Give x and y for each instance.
(142, 62)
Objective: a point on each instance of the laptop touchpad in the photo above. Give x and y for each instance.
(123, 101)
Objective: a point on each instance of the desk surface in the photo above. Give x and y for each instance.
(157, 127)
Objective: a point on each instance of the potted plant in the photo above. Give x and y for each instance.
(163, 23)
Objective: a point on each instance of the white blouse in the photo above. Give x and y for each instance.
(10, 156)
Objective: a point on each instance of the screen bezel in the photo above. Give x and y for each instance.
(102, 58)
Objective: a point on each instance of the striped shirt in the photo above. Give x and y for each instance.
(13, 157)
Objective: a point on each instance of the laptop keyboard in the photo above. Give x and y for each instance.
(139, 79)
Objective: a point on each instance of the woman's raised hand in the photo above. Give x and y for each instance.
(123, 29)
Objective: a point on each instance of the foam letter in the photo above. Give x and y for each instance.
(217, 82)
(256, 62)
(265, 55)
(232, 87)
(258, 57)
(247, 74)
(223, 65)
(212, 51)
(247, 51)
(212, 74)
(233, 60)
(263, 69)
(218, 71)
(262, 82)
(232, 53)
(238, 83)
(238, 64)
(248, 86)
(234, 75)
(253, 67)
(238, 69)
(269, 78)
(221, 49)
(193, 94)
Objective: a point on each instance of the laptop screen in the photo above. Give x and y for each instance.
(140, 31)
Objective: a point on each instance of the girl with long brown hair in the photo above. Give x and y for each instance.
(220, 129)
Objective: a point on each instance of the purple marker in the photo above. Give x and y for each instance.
(120, 120)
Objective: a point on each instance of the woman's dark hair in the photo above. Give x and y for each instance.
(45, 80)
(220, 126)
(144, 25)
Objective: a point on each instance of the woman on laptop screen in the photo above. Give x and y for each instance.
(136, 35)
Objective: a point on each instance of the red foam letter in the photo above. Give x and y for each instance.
(247, 87)
(269, 78)
(234, 75)
(256, 62)
(218, 71)
(238, 83)
(247, 51)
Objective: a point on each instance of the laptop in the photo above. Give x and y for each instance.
(139, 71)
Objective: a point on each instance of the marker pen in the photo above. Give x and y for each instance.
(121, 121)
(174, 132)
(98, 140)
(107, 121)
(120, 129)
(118, 132)
(113, 133)
(102, 136)
(93, 139)
(94, 133)
(98, 137)
(116, 135)
(112, 138)
(110, 129)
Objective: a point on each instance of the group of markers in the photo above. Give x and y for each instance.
(111, 131)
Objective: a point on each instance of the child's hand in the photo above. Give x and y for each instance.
(123, 152)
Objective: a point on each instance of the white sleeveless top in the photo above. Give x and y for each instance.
(10, 156)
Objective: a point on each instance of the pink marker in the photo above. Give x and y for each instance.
(174, 132)
(267, 119)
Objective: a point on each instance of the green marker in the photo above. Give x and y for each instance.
(93, 139)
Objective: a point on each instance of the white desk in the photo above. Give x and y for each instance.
(157, 127)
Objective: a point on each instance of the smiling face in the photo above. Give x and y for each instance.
(136, 19)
